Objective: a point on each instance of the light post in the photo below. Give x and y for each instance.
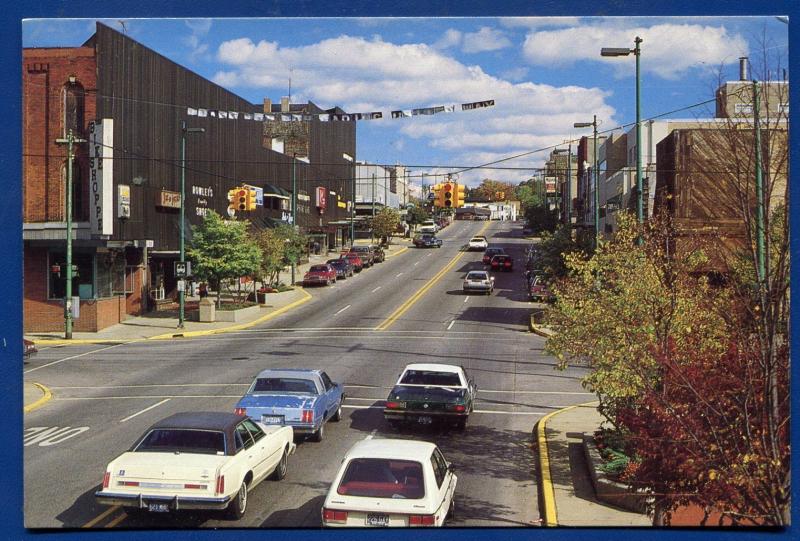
(636, 51)
(182, 247)
(350, 159)
(294, 202)
(593, 124)
(69, 141)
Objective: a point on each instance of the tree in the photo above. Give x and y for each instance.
(541, 218)
(222, 250)
(272, 245)
(385, 222)
(528, 195)
(417, 215)
(554, 248)
(493, 190)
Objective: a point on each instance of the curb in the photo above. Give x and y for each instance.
(77, 342)
(535, 329)
(548, 492)
(41, 402)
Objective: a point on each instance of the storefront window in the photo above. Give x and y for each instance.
(82, 284)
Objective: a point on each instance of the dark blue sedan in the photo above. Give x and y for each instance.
(301, 398)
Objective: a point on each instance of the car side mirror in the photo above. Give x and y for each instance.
(451, 468)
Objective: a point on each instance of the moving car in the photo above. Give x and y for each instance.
(479, 281)
(366, 253)
(430, 223)
(427, 229)
(490, 252)
(539, 290)
(502, 262)
(197, 460)
(298, 397)
(478, 243)
(320, 274)
(343, 268)
(427, 241)
(391, 482)
(30, 349)
(427, 391)
(355, 260)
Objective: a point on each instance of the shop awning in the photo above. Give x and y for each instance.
(271, 190)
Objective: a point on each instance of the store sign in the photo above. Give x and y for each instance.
(101, 176)
(341, 204)
(169, 199)
(550, 184)
(322, 198)
(123, 201)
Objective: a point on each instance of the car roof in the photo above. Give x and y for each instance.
(289, 373)
(391, 448)
(433, 367)
(208, 420)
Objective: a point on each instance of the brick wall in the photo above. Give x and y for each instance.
(44, 73)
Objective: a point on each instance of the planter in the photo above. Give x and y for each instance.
(237, 315)
(607, 490)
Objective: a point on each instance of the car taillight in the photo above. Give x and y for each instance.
(190, 485)
(460, 408)
(220, 488)
(330, 515)
(129, 483)
(307, 416)
(395, 405)
(420, 520)
(240, 411)
(507, 263)
(106, 478)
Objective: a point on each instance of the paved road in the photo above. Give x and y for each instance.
(362, 331)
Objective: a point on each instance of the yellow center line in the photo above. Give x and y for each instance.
(101, 516)
(117, 520)
(403, 308)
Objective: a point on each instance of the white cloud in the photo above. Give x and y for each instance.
(668, 50)
(200, 29)
(485, 39)
(515, 74)
(451, 38)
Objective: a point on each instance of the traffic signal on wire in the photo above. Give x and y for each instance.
(458, 199)
(437, 195)
(448, 195)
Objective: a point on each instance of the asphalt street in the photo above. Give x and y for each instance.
(362, 331)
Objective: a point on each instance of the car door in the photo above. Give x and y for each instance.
(472, 389)
(332, 394)
(250, 453)
(449, 483)
(440, 493)
(266, 453)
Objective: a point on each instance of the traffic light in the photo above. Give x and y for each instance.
(232, 199)
(437, 195)
(458, 200)
(251, 198)
(448, 195)
(500, 196)
(240, 199)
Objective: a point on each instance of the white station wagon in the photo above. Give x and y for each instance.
(197, 460)
(391, 482)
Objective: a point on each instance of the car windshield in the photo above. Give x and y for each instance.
(477, 276)
(477, 239)
(360, 249)
(318, 268)
(336, 262)
(430, 377)
(284, 385)
(383, 478)
(182, 440)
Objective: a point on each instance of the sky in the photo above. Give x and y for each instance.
(544, 74)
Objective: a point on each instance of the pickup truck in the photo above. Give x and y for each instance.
(197, 460)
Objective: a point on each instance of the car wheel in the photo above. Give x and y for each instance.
(338, 415)
(280, 469)
(319, 435)
(394, 425)
(461, 424)
(238, 505)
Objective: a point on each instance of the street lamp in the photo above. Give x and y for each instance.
(636, 51)
(350, 159)
(593, 124)
(69, 141)
(182, 290)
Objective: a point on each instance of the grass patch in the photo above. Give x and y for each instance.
(228, 306)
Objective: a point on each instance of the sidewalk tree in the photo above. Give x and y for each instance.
(384, 223)
(493, 190)
(295, 244)
(221, 250)
(554, 248)
(272, 245)
(541, 218)
(417, 215)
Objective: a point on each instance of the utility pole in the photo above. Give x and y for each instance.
(182, 242)
(294, 205)
(760, 240)
(69, 141)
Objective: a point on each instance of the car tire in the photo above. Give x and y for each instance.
(338, 415)
(319, 435)
(238, 505)
(280, 469)
(461, 424)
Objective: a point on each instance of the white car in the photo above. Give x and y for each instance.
(391, 482)
(430, 223)
(197, 460)
(478, 243)
(429, 229)
(478, 281)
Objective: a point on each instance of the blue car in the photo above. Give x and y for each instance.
(301, 398)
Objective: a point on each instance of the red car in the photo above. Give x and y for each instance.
(320, 274)
(538, 290)
(502, 263)
(355, 260)
(490, 253)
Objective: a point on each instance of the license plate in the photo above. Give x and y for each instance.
(272, 419)
(158, 507)
(375, 519)
(424, 420)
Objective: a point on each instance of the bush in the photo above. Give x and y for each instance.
(227, 306)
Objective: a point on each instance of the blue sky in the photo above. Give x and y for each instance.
(543, 73)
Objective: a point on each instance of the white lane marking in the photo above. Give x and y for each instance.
(139, 397)
(144, 410)
(376, 289)
(398, 275)
(65, 398)
(451, 325)
(428, 255)
(342, 310)
(466, 299)
(417, 263)
(371, 434)
(72, 357)
(47, 436)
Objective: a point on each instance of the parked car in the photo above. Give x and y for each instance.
(343, 267)
(425, 392)
(427, 229)
(380, 255)
(355, 260)
(391, 482)
(502, 262)
(490, 252)
(477, 243)
(320, 274)
(478, 281)
(430, 223)
(298, 397)
(30, 349)
(427, 241)
(366, 252)
(197, 460)
(539, 290)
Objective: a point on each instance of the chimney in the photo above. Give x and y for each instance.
(285, 104)
(267, 105)
(742, 68)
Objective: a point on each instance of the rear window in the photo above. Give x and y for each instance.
(477, 239)
(428, 377)
(284, 385)
(318, 268)
(476, 276)
(182, 440)
(383, 478)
